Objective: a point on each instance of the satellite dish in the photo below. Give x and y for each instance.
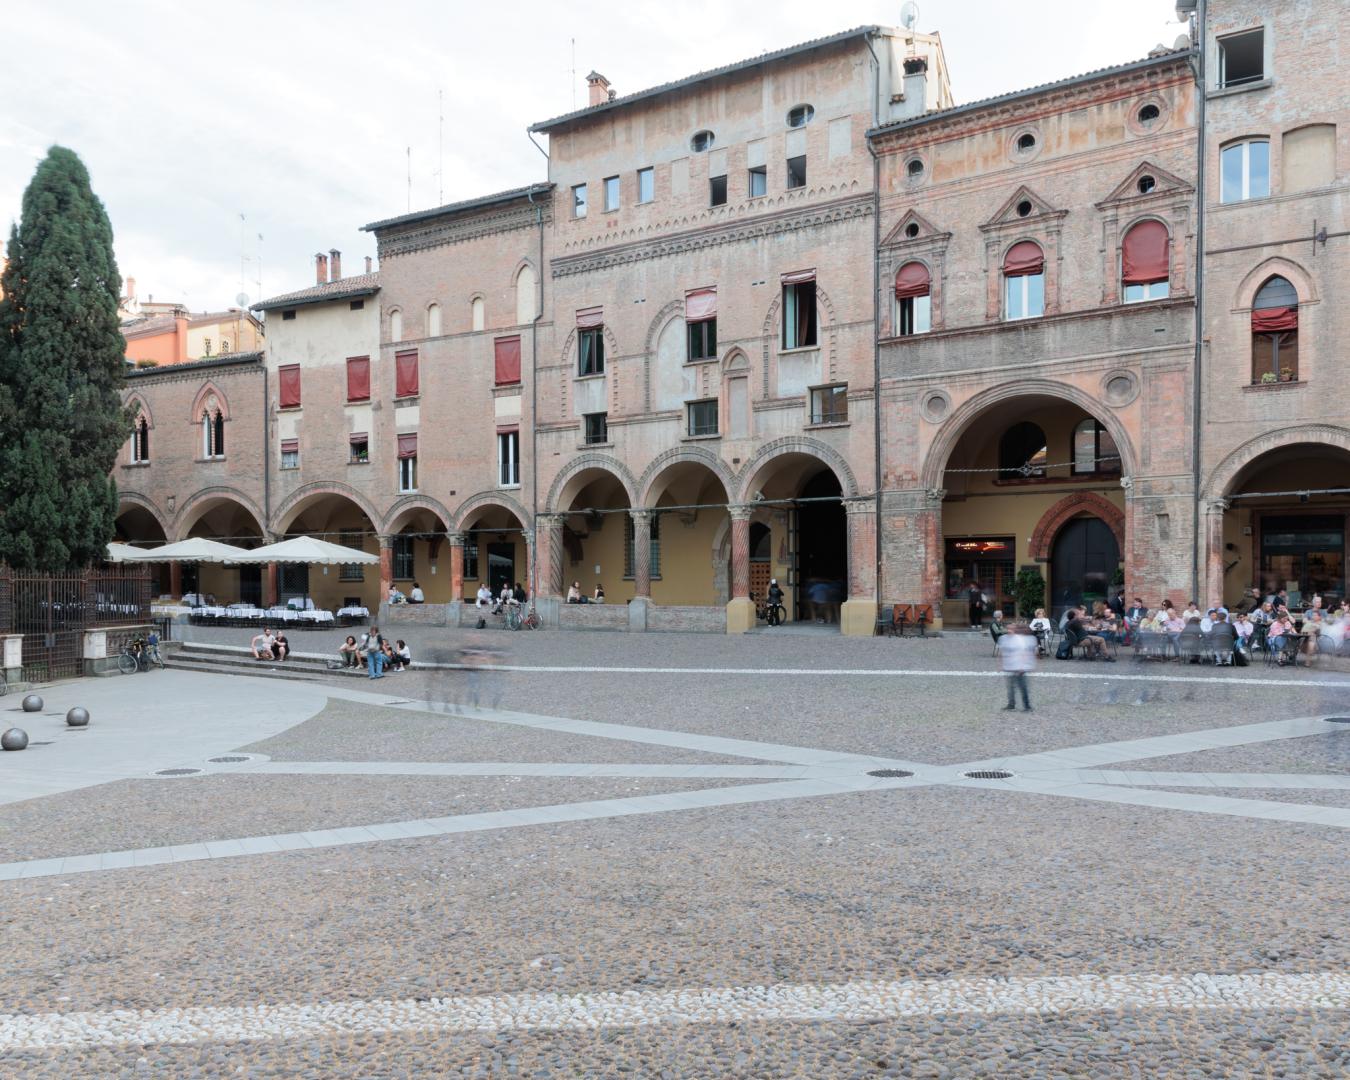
(242, 299)
(909, 15)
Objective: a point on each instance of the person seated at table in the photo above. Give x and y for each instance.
(403, 655)
(1223, 638)
(1314, 626)
(1244, 626)
(1191, 642)
(997, 627)
(416, 597)
(1136, 612)
(1077, 630)
(349, 653)
(574, 593)
(281, 648)
(599, 596)
(484, 598)
(1207, 620)
(1277, 637)
(1041, 627)
(1192, 611)
(262, 644)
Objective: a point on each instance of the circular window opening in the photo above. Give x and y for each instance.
(1146, 184)
(1148, 114)
(1024, 208)
(914, 168)
(800, 116)
(1026, 143)
(912, 230)
(701, 141)
(1119, 389)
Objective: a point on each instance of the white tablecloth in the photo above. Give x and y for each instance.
(355, 612)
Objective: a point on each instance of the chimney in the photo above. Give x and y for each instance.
(320, 268)
(367, 264)
(131, 288)
(334, 265)
(599, 88)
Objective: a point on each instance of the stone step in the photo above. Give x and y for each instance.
(236, 660)
(272, 672)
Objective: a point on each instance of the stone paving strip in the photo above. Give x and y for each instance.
(532, 768)
(847, 1002)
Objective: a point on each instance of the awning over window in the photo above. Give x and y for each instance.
(405, 374)
(290, 385)
(912, 280)
(506, 429)
(290, 446)
(358, 378)
(507, 352)
(1144, 254)
(358, 437)
(407, 446)
(700, 304)
(1023, 259)
(798, 277)
(590, 318)
(1274, 320)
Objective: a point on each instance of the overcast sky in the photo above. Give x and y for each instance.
(298, 114)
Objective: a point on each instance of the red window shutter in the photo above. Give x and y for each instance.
(407, 446)
(508, 360)
(358, 378)
(1274, 320)
(1144, 254)
(358, 437)
(405, 374)
(290, 386)
(798, 277)
(700, 304)
(591, 317)
(912, 280)
(1023, 259)
(290, 446)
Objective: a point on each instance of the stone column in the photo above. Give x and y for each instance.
(642, 553)
(909, 532)
(270, 589)
(549, 536)
(740, 608)
(176, 579)
(1212, 582)
(857, 617)
(456, 565)
(386, 569)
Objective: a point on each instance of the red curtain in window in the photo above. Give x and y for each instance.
(1023, 259)
(797, 277)
(912, 280)
(1274, 320)
(1144, 254)
(407, 446)
(507, 360)
(506, 429)
(290, 446)
(405, 374)
(700, 304)
(358, 378)
(591, 317)
(290, 386)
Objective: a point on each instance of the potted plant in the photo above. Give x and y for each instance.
(1029, 590)
(1286, 374)
(1269, 377)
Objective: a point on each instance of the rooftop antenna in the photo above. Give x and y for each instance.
(574, 74)
(440, 147)
(410, 179)
(909, 15)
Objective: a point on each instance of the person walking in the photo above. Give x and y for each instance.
(1017, 656)
(374, 644)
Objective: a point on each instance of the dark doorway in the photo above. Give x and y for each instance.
(1083, 562)
(501, 566)
(250, 585)
(821, 550)
(761, 559)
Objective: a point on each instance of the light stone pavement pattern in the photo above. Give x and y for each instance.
(780, 772)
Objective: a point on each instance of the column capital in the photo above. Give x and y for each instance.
(740, 511)
(1218, 506)
(934, 496)
(1127, 482)
(860, 504)
(641, 514)
(456, 539)
(550, 521)
(386, 540)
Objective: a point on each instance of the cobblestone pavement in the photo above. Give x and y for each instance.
(693, 875)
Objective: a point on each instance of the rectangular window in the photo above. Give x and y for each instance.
(357, 305)
(579, 201)
(407, 462)
(717, 190)
(1154, 290)
(611, 192)
(1275, 357)
(1025, 296)
(829, 404)
(654, 548)
(916, 315)
(358, 378)
(796, 172)
(1245, 171)
(403, 558)
(759, 181)
(1242, 58)
(406, 374)
(351, 571)
(597, 428)
(287, 316)
(799, 315)
(703, 339)
(508, 458)
(470, 556)
(290, 453)
(703, 417)
(1094, 450)
(359, 451)
(646, 179)
(591, 352)
(206, 347)
(289, 377)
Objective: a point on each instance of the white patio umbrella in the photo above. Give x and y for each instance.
(195, 549)
(308, 550)
(118, 553)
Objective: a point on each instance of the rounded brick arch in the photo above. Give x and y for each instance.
(186, 518)
(490, 498)
(1225, 474)
(1277, 265)
(795, 444)
(409, 504)
(1068, 508)
(144, 502)
(577, 466)
(956, 425)
(684, 454)
(292, 506)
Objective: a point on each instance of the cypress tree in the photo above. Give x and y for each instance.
(61, 361)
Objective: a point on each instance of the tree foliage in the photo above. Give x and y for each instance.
(1029, 591)
(61, 361)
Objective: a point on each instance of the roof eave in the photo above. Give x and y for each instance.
(307, 301)
(461, 207)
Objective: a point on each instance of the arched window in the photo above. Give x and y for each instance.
(1145, 262)
(1024, 281)
(218, 434)
(396, 325)
(140, 440)
(1094, 450)
(527, 303)
(1022, 452)
(434, 320)
(206, 434)
(913, 300)
(1275, 332)
(1244, 171)
(476, 313)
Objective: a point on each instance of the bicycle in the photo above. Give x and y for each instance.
(139, 657)
(517, 618)
(772, 614)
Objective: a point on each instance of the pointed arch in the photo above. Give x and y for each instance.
(1275, 266)
(137, 401)
(210, 396)
(1064, 511)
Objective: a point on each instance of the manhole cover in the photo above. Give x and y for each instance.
(1338, 719)
(177, 772)
(988, 774)
(228, 758)
(890, 774)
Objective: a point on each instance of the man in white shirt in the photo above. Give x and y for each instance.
(1017, 656)
(416, 597)
(484, 595)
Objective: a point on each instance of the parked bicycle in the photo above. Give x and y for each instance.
(140, 655)
(517, 618)
(773, 614)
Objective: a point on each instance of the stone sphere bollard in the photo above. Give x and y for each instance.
(78, 717)
(14, 739)
(32, 703)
